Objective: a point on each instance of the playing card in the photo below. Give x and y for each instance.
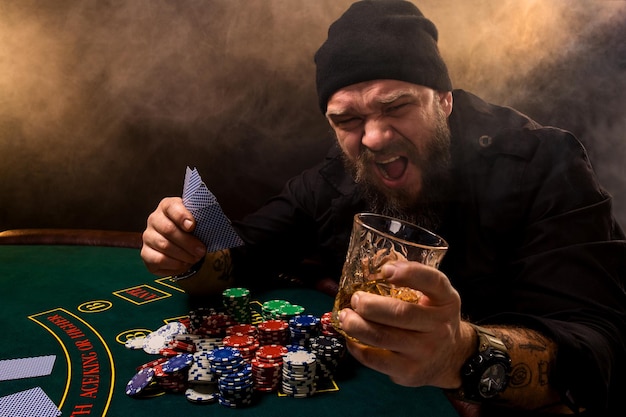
(29, 403)
(212, 226)
(26, 367)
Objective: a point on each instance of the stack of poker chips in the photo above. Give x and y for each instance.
(327, 325)
(267, 367)
(172, 374)
(202, 393)
(202, 383)
(302, 328)
(246, 345)
(273, 332)
(289, 311)
(140, 382)
(242, 330)
(235, 382)
(254, 358)
(210, 322)
(280, 310)
(164, 373)
(298, 377)
(237, 303)
(158, 339)
(270, 309)
(329, 351)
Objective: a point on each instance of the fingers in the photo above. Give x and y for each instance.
(403, 334)
(168, 246)
(411, 358)
(389, 312)
(432, 282)
(414, 343)
(440, 304)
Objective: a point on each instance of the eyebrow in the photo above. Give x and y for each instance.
(396, 95)
(384, 99)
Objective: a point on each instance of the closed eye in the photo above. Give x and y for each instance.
(396, 108)
(346, 123)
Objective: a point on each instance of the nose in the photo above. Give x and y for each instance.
(376, 134)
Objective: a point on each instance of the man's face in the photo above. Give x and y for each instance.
(395, 139)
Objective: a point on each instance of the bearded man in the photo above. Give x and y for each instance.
(540, 284)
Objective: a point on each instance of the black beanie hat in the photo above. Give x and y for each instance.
(380, 39)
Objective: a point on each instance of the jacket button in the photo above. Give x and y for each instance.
(484, 141)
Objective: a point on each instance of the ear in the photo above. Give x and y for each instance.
(445, 101)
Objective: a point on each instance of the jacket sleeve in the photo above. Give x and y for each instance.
(569, 270)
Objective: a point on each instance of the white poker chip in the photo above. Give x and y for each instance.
(136, 343)
(154, 342)
(204, 393)
(159, 339)
(172, 329)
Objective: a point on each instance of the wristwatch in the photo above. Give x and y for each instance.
(487, 373)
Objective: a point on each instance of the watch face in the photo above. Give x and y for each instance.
(492, 381)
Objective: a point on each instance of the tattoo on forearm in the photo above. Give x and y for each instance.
(535, 342)
(222, 265)
(543, 372)
(521, 376)
(532, 346)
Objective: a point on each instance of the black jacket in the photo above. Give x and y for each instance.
(532, 240)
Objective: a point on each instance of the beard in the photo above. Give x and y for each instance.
(424, 208)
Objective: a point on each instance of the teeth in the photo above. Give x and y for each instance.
(386, 161)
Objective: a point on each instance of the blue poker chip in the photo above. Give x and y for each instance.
(244, 370)
(224, 370)
(140, 381)
(235, 381)
(304, 320)
(235, 384)
(235, 389)
(178, 363)
(224, 354)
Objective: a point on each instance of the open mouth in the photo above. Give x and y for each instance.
(393, 168)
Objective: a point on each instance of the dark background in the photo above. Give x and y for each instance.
(104, 103)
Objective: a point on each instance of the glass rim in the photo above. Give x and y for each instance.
(358, 218)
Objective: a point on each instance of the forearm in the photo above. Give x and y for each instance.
(214, 276)
(533, 356)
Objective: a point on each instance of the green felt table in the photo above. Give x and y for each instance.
(82, 303)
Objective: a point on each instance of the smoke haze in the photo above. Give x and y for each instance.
(103, 104)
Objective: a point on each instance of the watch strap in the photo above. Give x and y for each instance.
(191, 272)
(490, 351)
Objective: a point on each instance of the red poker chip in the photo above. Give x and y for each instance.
(239, 341)
(264, 365)
(182, 346)
(168, 352)
(273, 325)
(273, 351)
(158, 371)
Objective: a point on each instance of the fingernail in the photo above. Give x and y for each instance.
(354, 301)
(187, 224)
(387, 270)
(200, 251)
(342, 315)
